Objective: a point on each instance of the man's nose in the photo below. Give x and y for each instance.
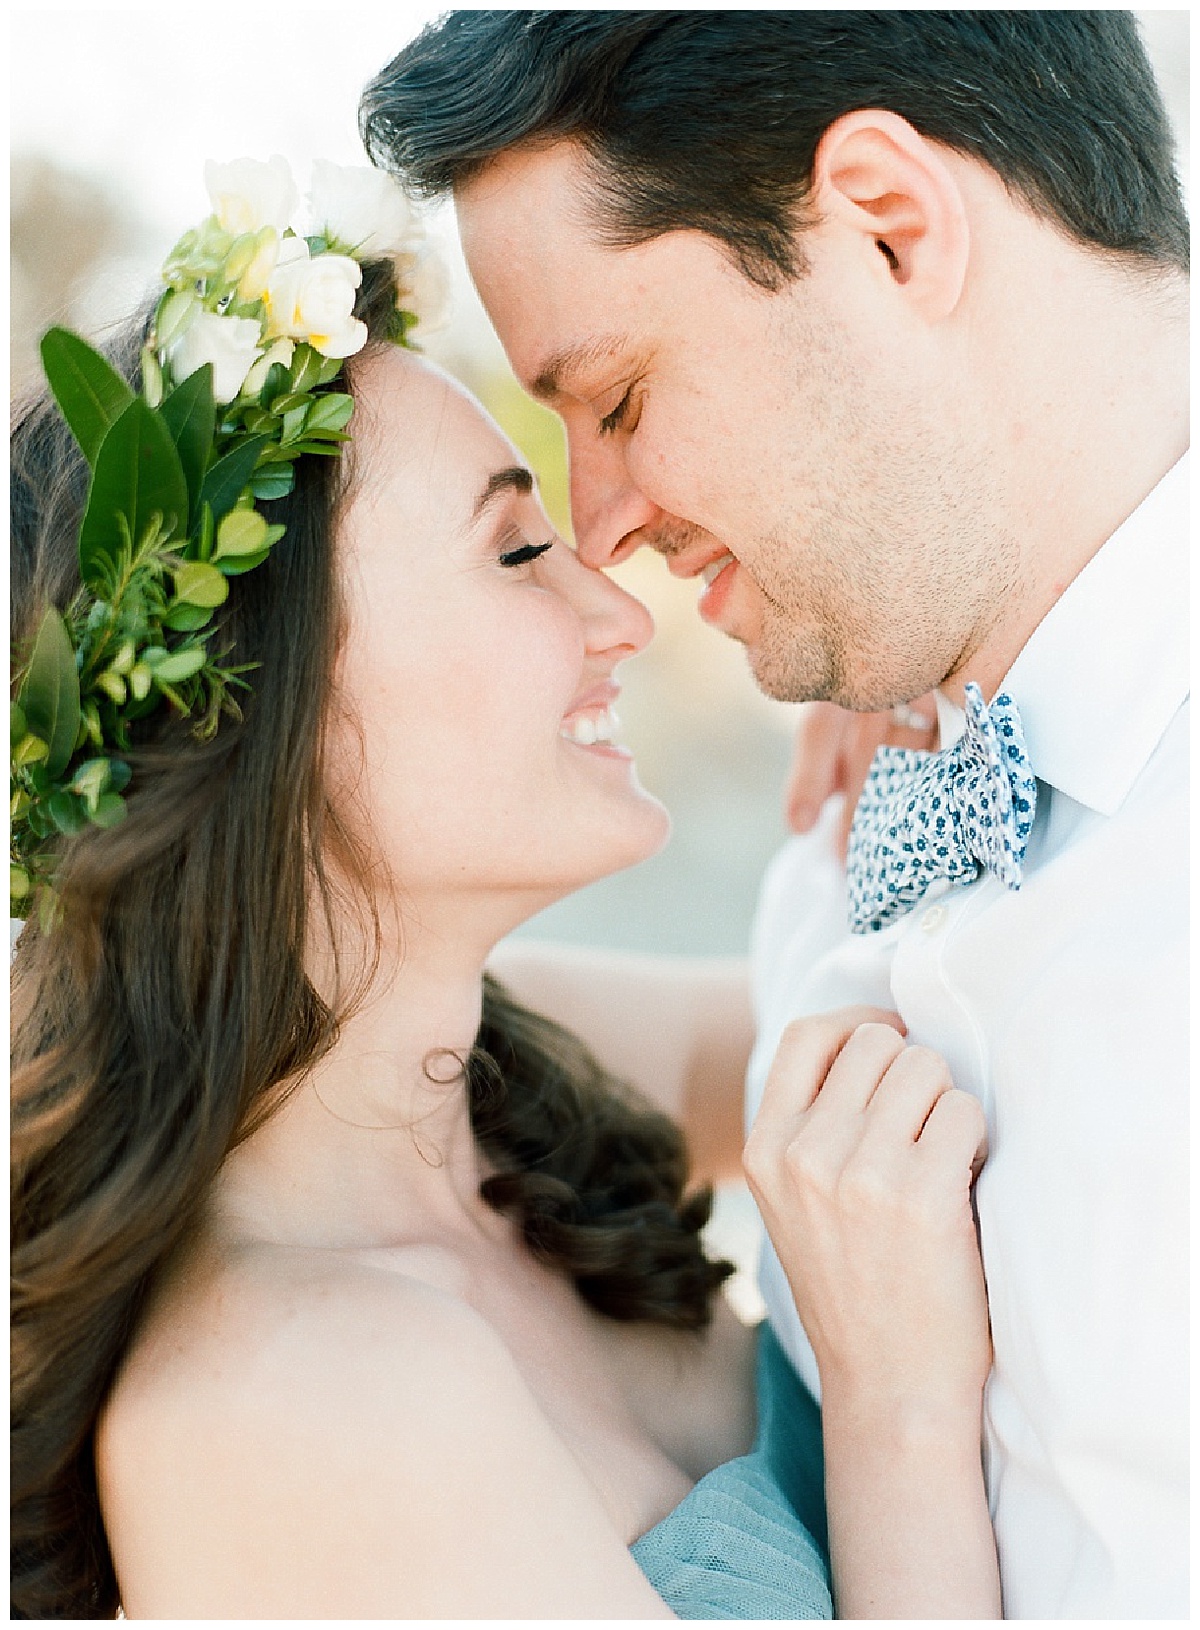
(608, 511)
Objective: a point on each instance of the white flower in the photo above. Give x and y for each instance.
(231, 344)
(312, 299)
(361, 209)
(280, 351)
(425, 290)
(248, 194)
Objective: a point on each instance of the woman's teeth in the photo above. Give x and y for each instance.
(586, 729)
(712, 572)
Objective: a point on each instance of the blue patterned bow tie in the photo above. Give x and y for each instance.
(953, 814)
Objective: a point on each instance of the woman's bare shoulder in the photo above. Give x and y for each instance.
(307, 1438)
(264, 1329)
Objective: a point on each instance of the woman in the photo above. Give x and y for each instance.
(345, 1286)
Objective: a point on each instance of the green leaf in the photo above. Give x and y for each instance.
(49, 694)
(204, 538)
(91, 394)
(241, 256)
(330, 412)
(200, 584)
(273, 481)
(329, 448)
(152, 377)
(399, 325)
(186, 619)
(67, 813)
(181, 665)
(90, 780)
(259, 422)
(292, 399)
(113, 686)
(37, 780)
(236, 565)
(91, 721)
(306, 368)
(293, 424)
(275, 382)
(190, 414)
(137, 476)
(225, 481)
(119, 774)
(174, 315)
(109, 810)
(29, 750)
(17, 724)
(242, 532)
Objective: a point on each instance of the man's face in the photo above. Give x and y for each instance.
(811, 447)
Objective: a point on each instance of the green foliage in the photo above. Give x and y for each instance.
(190, 414)
(88, 390)
(49, 696)
(229, 476)
(138, 486)
(170, 518)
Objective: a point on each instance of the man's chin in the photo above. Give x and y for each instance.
(780, 676)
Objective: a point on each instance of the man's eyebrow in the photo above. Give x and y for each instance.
(572, 359)
(513, 479)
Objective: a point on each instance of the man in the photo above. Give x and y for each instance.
(877, 321)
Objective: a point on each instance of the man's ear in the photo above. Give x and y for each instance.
(882, 178)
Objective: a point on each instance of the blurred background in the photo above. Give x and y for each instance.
(113, 114)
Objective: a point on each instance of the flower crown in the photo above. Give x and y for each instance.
(251, 330)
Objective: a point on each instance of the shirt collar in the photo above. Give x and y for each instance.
(1106, 670)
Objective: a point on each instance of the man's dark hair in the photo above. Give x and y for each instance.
(710, 119)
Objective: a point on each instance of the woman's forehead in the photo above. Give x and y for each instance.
(423, 446)
(411, 404)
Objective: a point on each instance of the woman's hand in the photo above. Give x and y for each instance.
(862, 1158)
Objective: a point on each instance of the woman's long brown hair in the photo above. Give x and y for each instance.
(155, 1024)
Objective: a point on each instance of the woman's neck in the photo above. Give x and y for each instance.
(374, 1146)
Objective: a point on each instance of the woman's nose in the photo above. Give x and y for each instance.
(616, 624)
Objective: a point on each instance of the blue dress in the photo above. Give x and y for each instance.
(750, 1541)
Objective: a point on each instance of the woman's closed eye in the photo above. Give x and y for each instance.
(524, 553)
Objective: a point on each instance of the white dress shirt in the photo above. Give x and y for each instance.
(1063, 1008)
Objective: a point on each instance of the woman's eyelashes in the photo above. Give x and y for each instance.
(524, 553)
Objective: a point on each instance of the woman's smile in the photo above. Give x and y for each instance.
(475, 643)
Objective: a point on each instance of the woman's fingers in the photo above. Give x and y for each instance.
(856, 1073)
(954, 1137)
(861, 1160)
(807, 1051)
(904, 1098)
(795, 1126)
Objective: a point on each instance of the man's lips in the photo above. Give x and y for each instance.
(719, 575)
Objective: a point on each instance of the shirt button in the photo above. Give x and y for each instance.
(933, 919)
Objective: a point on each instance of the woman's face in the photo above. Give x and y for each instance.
(478, 666)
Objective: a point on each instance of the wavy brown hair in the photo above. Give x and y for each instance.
(160, 1020)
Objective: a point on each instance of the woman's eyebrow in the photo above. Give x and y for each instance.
(513, 479)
